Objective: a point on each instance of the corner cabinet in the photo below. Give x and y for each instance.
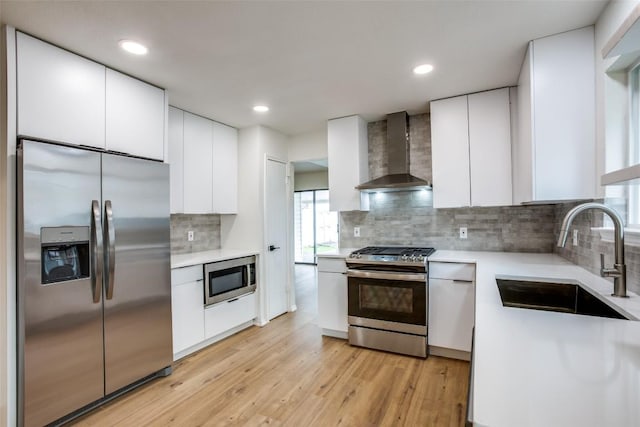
(203, 155)
(471, 149)
(554, 154)
(61, 96)
(67, 98)
(348, 148)
(332, 297)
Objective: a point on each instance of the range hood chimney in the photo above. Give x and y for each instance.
(399, 178)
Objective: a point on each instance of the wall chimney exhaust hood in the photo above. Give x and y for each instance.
(399, 178)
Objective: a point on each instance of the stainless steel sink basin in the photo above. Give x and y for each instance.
(562, 297)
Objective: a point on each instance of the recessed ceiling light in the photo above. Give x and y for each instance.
(423, 69)
(133, 47)
(260, 108)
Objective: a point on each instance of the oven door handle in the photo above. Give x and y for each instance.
(385, 275)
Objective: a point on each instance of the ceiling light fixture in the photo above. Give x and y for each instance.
(133, 47)
(260, 108)
(423, 69)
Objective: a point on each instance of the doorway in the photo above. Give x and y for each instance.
(315, 227)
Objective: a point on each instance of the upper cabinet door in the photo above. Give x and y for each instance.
(490, 148)
(61, 96)
(176, 159)
(135, 116)
(225, 169)
(198, 155)
(450, 153)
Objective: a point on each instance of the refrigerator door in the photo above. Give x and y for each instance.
(60, 358)
(137, 304)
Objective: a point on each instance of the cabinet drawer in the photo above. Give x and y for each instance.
(221, 317)
(452, 271)
(186, 274)
(332, 265)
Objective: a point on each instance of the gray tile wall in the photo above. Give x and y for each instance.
(407, 218)
(590, 246)
(206, 230)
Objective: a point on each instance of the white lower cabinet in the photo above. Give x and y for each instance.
(332, 297)
(451, 308)
(227, 315)
(187, 307)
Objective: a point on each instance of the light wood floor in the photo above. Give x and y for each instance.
(287, 374)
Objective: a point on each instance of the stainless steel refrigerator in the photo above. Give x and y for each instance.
(94, 291)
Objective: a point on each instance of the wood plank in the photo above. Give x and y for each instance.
(287, 374)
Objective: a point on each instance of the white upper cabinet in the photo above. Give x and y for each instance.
(348, 149)
(176, 159)
(135, 116)
(225, 169)
(61, 96)
(198, 173)
(554, 155)
(471, 149)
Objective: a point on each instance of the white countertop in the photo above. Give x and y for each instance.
(539, 368)
(186, 260)
(338, 253)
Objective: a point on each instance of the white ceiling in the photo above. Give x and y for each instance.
(308, 60)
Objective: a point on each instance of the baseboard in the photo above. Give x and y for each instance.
(293, 308)
(212, 340)
(335, 334)
(449, 353)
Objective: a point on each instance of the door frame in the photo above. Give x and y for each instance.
(291, 297)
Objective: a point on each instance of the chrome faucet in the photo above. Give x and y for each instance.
(619, 270)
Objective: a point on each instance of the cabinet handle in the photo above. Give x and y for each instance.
(233, 300)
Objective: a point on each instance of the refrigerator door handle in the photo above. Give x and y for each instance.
(96, 251)
(110, 253)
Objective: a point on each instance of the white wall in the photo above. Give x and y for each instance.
(246, 229)
(308, 146)
(311, 180)
(611, 97)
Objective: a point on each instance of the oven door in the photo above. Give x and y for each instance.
(388, 300)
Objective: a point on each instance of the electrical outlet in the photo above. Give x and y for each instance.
(575, 237)
(463, 232)
(190, 235)
(356, 231)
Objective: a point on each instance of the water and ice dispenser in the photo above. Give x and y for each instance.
(65, 254)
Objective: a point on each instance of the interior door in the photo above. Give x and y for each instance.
(137, 303)
(60, 358)
(276, 238)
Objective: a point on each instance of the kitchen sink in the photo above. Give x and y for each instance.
(550, 296)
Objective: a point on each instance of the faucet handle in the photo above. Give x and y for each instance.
(602, 265)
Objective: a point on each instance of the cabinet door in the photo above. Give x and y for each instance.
(198, 156)
(225, 169)
(187, 309)
(332, 301)
(222, 317)
(490, 148)
(451, 313)
(450, 153)
(135, 116)
(347, 147)
(61, 96)
(176, 159)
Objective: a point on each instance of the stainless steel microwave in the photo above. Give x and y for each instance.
(225, 280)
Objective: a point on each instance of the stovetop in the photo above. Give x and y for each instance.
(391, 254)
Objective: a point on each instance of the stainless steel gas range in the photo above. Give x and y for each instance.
(388, 298)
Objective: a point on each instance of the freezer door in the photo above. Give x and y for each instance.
(137, 315)
(60, 358)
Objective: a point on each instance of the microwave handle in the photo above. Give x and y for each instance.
(248, 274)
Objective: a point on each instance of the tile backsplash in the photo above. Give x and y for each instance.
(206, 230)
(408, 218)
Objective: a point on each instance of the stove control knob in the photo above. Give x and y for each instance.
(412, 258)
(404, 258)
(420, 258)
(358, 256)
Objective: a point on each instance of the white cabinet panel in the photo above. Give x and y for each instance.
(176, 159)
(61, 96)
(490, 148)
(451, 307)
(556, 145)
(187, 307)
(450, 151)
(347, 146)
(332, 301)
(134, 116)
(221, 317)
(198, 173)
(225, 169)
